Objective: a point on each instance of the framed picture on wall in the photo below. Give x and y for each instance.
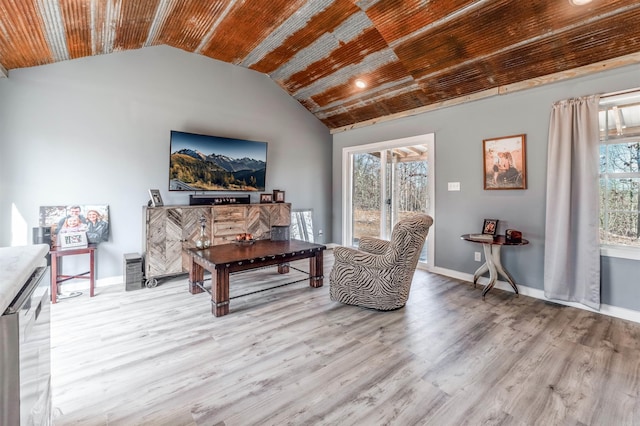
(504, 162)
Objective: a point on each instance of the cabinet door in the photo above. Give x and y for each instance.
(259, 221)
(191, 225)
(281, 214)
(163, 251)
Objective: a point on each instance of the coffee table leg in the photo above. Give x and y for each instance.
(196, 276)
(220, 292)
(316, 270)
(283, 268)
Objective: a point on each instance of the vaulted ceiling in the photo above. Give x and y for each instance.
(411, 55)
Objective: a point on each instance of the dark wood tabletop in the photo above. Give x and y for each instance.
(499, 240)
(260, 249)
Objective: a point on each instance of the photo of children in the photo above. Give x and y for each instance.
(90, 218)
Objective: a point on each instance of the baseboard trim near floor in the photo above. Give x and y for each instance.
(612, 311)
(77, 284)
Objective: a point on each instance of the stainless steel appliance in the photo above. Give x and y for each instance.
(25, 361)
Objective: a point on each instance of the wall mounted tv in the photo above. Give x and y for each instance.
(213, 163)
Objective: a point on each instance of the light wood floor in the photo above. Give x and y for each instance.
(292, 356)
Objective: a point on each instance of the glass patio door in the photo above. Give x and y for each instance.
(384, 183)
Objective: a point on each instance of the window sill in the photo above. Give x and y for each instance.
(621, 252)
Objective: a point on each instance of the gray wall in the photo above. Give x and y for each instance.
(459, 132)
(96, 130)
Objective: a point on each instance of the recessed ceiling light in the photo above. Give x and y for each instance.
(361, 84)
(579, 2)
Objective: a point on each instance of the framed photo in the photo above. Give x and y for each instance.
(490, 227)
(92, 220)
(72, 239)
(156, 198)
(278, 196)
(266, 198)
(504, 162)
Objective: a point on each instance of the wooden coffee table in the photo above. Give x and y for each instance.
(222, 260)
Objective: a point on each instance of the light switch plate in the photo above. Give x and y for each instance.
(453, 186)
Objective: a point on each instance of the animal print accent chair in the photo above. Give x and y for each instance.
(378, 274)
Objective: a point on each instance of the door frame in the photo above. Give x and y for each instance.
(347, 185)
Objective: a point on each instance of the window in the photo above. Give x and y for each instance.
(619, 120)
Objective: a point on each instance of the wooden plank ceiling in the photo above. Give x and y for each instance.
(411, 54)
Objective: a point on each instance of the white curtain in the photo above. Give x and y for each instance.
(572, 242)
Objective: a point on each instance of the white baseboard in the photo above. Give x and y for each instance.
(612, 311)
(83, 284)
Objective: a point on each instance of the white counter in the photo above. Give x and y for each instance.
(16, 266)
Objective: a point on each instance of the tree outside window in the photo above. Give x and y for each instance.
(620, 174)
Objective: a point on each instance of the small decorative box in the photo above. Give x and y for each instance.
(513, 236)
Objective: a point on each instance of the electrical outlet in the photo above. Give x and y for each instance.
(319, 231)
(476, 256)
(453, 186)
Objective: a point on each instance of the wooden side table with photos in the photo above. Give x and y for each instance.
(491, 246)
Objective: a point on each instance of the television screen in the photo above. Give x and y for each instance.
(213, 163)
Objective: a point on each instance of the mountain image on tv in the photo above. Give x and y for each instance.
(208, 163)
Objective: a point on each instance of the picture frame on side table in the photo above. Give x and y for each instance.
(266, 198)
(504, 162)
(278, 196)
(490, 227)
(72, 240)
(156, 198)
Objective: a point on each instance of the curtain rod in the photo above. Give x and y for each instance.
(622, 92)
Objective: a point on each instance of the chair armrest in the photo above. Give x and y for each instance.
(373, 245)
(360, 258)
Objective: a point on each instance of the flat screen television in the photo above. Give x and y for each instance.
(213, 163)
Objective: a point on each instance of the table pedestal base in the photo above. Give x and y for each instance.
(495, 268)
